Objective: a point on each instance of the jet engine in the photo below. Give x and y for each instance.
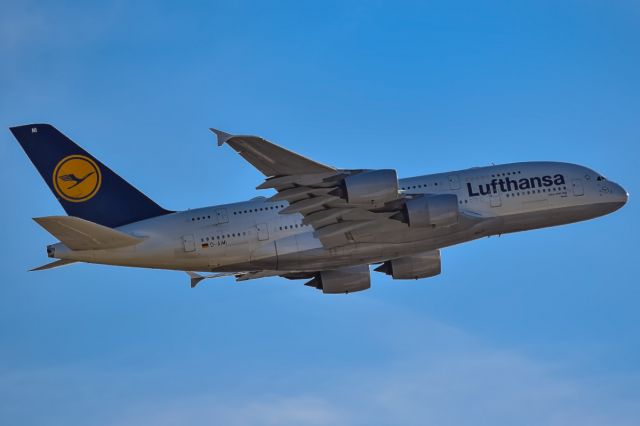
(430, 211)
(344, 280)
(373, 188)
(422, 265)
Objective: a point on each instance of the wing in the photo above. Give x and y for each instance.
(269, 158)
(313, 190)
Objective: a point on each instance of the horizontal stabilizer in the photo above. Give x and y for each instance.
(80, 234)
(52, 265)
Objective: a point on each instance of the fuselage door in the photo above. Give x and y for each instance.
(578, 189)
(263, 231)
(454, 182)
(496, 201)
(221, 216)
(188, 243)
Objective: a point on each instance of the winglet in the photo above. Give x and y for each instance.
(195, 278)
(222, 136)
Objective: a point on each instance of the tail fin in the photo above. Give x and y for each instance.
(84, 186)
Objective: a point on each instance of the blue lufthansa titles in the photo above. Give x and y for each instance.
(508, 184)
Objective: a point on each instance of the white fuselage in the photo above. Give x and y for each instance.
(253, 235)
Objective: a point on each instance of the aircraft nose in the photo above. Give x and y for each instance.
(619, 194)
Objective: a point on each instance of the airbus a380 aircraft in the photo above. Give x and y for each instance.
(324, 225)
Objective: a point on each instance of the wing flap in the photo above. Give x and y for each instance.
(340, 228)
(319, 180)
(308, 204)
(252, 275)
(196, 278)
(324, 217)
(298, 193)
(80, 234)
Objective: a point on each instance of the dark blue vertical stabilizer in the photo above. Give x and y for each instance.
(84, 186)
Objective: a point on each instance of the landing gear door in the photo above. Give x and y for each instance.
(189, 243)
(578, 189)
(263, 231)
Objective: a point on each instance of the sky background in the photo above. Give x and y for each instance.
(528, 329)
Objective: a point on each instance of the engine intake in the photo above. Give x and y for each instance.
(431, 211)
(422, 265)
(374, 187)
(344, 280)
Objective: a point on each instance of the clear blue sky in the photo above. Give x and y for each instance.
(528, 329)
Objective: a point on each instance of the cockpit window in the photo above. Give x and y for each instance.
(600, 178)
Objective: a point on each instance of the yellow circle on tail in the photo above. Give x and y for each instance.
(77, 178)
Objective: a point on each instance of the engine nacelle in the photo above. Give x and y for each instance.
(422, 265)
(344, 280)
(375, 187)
(432, 211)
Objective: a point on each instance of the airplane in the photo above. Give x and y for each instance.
(323, 225)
